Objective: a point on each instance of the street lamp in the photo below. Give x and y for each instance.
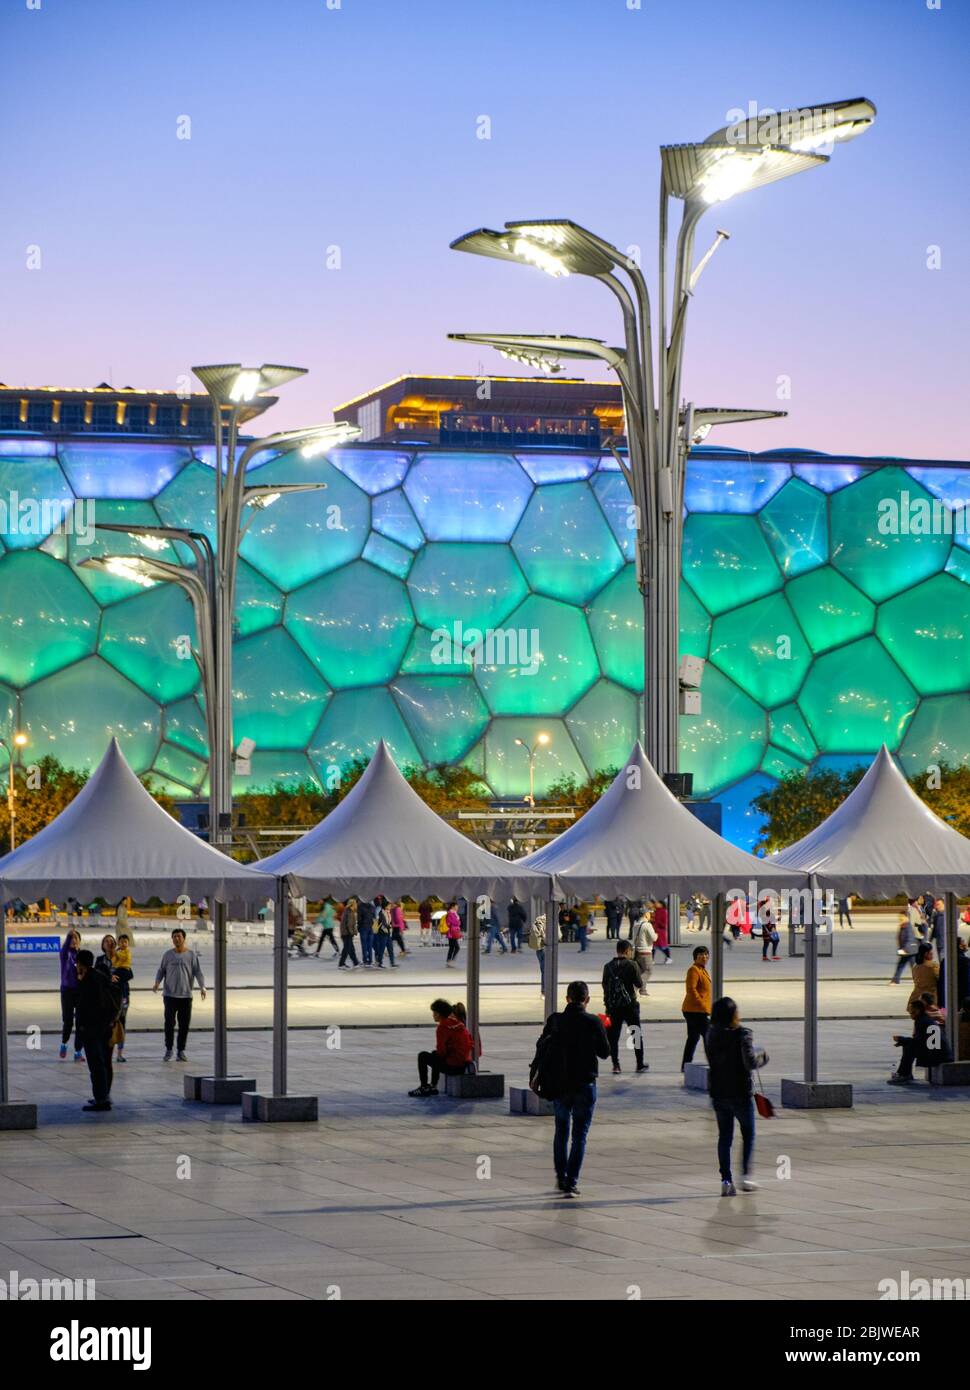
(531, 752)
(17, 740)
(659, 429)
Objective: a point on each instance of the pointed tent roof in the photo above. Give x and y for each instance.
(114, 839)
(639, 839)
(883, 840)
(382, 838)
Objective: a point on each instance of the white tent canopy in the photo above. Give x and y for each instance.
(639, 840)
(114, 840)
(881, 841)
(382, 838)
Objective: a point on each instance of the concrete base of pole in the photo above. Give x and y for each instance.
(695, 1076)
(524, 1101)
(816, 1095)
(17, 1114)
(279, 1109)
(221, 1090)
(479, 1085)
(947, 1074)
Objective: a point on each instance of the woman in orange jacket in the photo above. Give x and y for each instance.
(696, 1007)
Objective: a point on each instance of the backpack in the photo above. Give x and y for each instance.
(616, 995)
(547, 1074)
(537, 937)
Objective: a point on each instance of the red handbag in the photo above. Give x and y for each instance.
(763, 1105)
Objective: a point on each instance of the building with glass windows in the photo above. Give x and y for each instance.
(455, 597)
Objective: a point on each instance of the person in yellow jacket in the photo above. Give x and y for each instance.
(696, 1007)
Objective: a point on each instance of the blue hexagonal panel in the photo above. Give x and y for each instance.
(564, 543)
(468, 497)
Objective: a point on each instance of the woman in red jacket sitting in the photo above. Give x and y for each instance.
(452, 1050)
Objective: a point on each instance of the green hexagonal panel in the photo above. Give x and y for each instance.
(354, 625)
(259, 604)
(306, 534)
(937, 734)
(616, 623)
(174, 764)
(604, 726)
(429, 655)
(856, 698)
(109, 588)
(614, 497)
(727, 740)
(927, 631)
(392, 517)
(150, 640)
(277, 695)
(727, 560)
(474, 585)
(788, 731)
(830, 609)
(47, 617)
(796, 524)
(388, 555)
(275, 767)
(185, 726)
(762, 646)
(548, 664)
(353, 725)
(564, 543)
(36, 500)
(75, 713)
(695, 624)
(873, 541)
(777, 763)
(446, 714)
(189, 500)
(507, 764)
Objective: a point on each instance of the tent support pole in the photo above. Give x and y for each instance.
(717, 945)
(673, 919)
(811, 987)
(473, 970)
(952, 982)
(280, 945)
(220, 1027)
(4, 1077)
(550, 969)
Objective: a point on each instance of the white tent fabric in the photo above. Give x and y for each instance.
(114, 840)
(639, 840)
(881, 841)
(382, 838)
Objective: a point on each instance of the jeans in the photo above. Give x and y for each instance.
(767, 943)
(68, 1005)
(581, 935)
(576, 1110)
(436, 1064)
(348, 952)
(902, 963)
(697, 1026)
(494, 934)
(612, 929)
(630, 1015)
(515, 938)
(845, 914)
(727, 1111)
(176, 1010)
(97, 1050)
(382, 943)
(367, 944)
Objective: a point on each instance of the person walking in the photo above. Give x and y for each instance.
(348, 931)
(732, 1060)
(383, 934)
(326, 920)
(696, 1007)
(366, 913)
(644, 940)
(622, 986)
(453, 1050)
(570, 1048)
(845, 910)
(582, 927)
(659, 917)
(178, 969)
(69, 987)
(453, 930)
(703, 912)
(937, 932)
(768, 917)
(123, 973)
(494, 930)
(518, 923)
(614, 916)
(907, 945)
(98, 1005)
(398, 927)
(425, 910)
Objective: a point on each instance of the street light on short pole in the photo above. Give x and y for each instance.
(531, 752)
(17, 740)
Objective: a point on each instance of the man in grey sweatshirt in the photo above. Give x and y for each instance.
(177, 970)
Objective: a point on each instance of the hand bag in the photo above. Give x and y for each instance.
(763, 1105)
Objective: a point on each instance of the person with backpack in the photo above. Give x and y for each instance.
(732, 1061)
(98, 1007)
(453, 1050)
(622, 986)
(564, 1070)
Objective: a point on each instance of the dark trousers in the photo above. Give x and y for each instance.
(907, 1057)
(581, 937)
(68, 1006)
(767, 943)
(844, 915)
(97, 1050)
(727, 1111)
(612, 929)
(631, 1017)
(326, 934)
(573, 1112)
(697, 1026)
(348, 952)
(454, 944)
(434, 1063)
(515, 938)
(398, 940)
(382, 943)
(367, 945)
(176, 1011)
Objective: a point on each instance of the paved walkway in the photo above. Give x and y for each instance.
(389, 1198)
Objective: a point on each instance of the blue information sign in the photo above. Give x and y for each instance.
(32, 945)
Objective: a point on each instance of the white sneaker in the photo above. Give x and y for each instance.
(728, 1189)
(748, 1185)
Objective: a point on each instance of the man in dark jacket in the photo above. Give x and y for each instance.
(98, 1005)
(518, 922)
(580, 1039)
(926, 1048)
(622, 987)
(366, 913)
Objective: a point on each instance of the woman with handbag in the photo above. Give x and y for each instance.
(732, 1060)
